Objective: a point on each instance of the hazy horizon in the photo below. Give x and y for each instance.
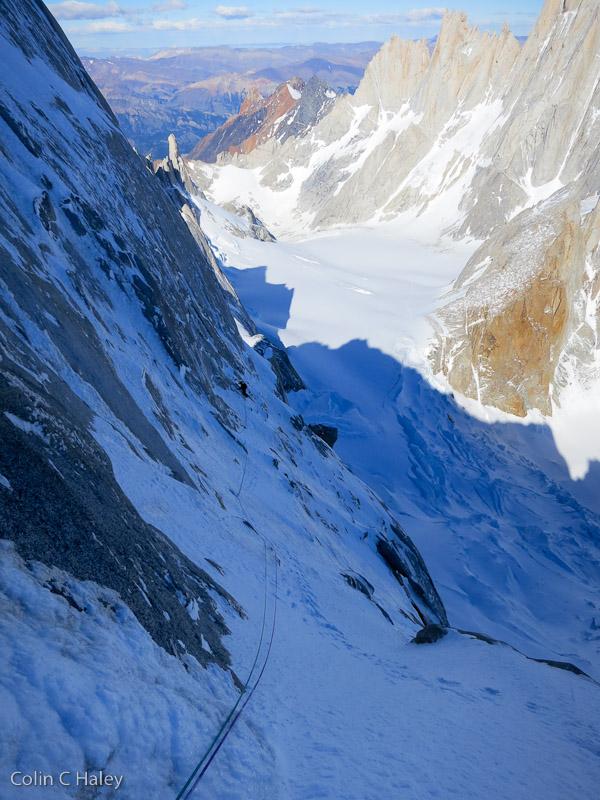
(129, 28)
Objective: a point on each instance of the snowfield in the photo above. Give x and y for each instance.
(346, 709)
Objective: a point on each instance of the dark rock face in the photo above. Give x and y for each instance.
(361, 584)
(430, 634)
(288, 379)
(316, 101)
(95, 233)
(68, 512)
(410, 571)
(173, 173)
(328, 433)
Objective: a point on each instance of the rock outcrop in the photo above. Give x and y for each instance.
(315, 102)
(528, 319)
(173, 170)
(507, 333)
(256, 228)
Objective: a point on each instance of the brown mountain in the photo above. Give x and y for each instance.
(257, 120)
(292, 109)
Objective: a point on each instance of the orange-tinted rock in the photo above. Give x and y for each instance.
(505, 336)
(256, 122)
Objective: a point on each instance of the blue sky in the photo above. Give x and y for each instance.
(103, 26)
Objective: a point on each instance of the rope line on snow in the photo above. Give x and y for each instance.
(207, 758)
(184, 790)
(246, 701)
(237, 494)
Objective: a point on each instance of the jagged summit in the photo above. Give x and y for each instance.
(256, 122)
(316, 100)
(393, 75)
(293, 109)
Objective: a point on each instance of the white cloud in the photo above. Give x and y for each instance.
(423, 14)
(307, 10)
(169, 5)
(75, 9)
(236, 17)
(180, 25)
(234, 12)
(107, 26)
(420, 15)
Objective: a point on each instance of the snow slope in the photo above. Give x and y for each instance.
(155, 519)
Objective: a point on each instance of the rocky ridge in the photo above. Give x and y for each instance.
(291, 111)
(256, 122)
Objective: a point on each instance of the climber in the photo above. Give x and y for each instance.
(243, 388)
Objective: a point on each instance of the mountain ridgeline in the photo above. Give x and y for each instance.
(192, 92)
(291, 111)
(495, 142)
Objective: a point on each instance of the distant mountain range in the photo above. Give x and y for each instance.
(193, 92)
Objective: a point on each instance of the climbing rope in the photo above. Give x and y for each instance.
(184, 790)
(237, 494)
(244, 704)
(227, 726)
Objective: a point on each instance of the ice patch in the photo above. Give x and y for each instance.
(28, 427)
(589, 204)
(251, 341)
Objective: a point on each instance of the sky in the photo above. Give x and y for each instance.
(136, 26)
